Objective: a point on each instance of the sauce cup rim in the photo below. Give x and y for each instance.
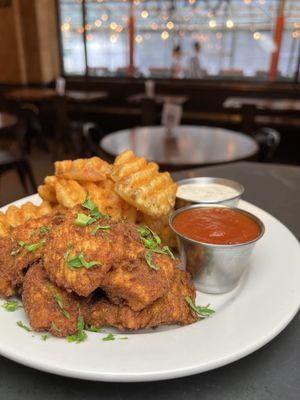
(186, 208)
(241, 189)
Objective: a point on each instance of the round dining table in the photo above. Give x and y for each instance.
(188, 146)
(270, 373)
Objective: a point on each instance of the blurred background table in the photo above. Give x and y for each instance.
(190, 146)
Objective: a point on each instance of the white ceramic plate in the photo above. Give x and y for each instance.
(246, 319)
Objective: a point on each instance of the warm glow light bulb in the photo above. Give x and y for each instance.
(256, 35)
(104, 17)
(98, 23)
(113, 38)
(139, 39)
(229, 23)
(164, 35)
(113, 26)
(144, 14)
(170, 25)
(212, 23)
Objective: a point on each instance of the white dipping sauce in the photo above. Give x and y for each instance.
(206, 192)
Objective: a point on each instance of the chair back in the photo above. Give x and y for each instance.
(268, 140)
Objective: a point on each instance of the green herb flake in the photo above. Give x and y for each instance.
(55, 327)
(45, 229)
(45, 337)
(99, 227)
(67, 252)
(80, 335)
(94, 329)
(11, 305)
(149, 261)
(58, 300)
(201, 311)
(123, 338)
(78, 261)
(109, 337)
(84, 220)
(88, 204)
(33, 246)
(21, 325)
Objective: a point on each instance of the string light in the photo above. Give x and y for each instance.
(113, 26)
(164, 35)
(113, 38)
(295, 34)
(98, 23)
(192, 2)
(65, 27)
(212, 23)
(104, 17)
(256, 35)
(144, 14)
(229, 24)
(154, 26)
(139, 39)
(170, 25)
(80, 30)
(119, 28)
(247, 1)
(88, 27)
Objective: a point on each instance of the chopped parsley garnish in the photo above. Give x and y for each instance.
(88, 204)
(151, 241)
(149, 261)
(69, 247)
(58, 300)
(109, 337)
(33, 246)
(78, 261)
(55, 327)
(45, 337)
(21, 325)
(84, 220)
(202, 312)
(99, 227)
(80, 335)
(11, 305)
(93, 329)
(45, 229)
(123, 338)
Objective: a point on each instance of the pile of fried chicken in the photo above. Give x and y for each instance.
(82, 264)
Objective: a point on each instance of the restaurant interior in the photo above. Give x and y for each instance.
(74, 72)
(146, 147)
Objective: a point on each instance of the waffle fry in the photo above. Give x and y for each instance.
(47, 190)
(91, 169)
(140, 184)
(69, 193)
(16, 216)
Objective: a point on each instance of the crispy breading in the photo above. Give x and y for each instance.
(140, 184)
(47, 190)
(16, 257)
(48, 307)
(90, 169)
(136, 284)
(106, 247)
(172, 308)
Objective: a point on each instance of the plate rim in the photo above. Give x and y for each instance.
(165, 374)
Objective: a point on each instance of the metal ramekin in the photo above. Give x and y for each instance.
(215, 268)
(233, 201)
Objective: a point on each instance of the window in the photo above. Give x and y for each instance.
(235, 38)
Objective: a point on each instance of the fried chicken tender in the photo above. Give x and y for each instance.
(22, 248)
(90, 169)
(169, 309)
(137, 285)
(102, 246)
(48, 307)
(141, 184)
